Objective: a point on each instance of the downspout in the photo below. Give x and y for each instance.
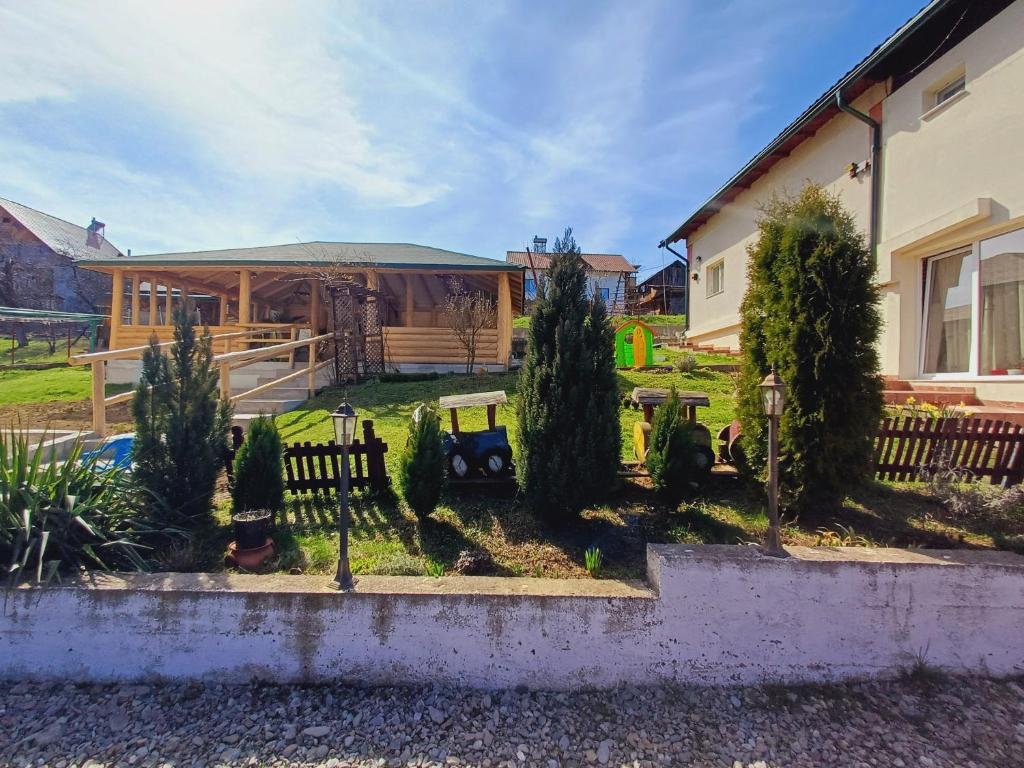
(876, 182)
(686, 261)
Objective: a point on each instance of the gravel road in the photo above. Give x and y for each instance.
(920, 723)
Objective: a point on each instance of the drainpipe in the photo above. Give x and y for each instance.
(686, 261)
(876, 182)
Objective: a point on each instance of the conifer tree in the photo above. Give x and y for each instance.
(421, 467)
(259, 469)
(811, 309)
(181, 428)
(671, 456)
(569, 434)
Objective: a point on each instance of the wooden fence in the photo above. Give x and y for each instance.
(314, 468)
(983, 447)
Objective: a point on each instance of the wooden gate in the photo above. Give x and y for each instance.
(983, 447)
(314, 468)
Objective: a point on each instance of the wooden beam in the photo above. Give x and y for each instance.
(244, 296)
(504, 319)
(99, 405)
(169, 303)
(116, 306)
(314, 312)
(223, 309)
(152, 300)
(410, 301)
(136, 302)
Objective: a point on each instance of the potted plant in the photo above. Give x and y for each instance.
(252, 545)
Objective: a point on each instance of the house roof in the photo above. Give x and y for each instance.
(649, 274)
(935, 29)
(598, 262)
(384, 255)
(59, 235)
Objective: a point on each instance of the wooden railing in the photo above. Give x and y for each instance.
(226, 362)
(907, 447)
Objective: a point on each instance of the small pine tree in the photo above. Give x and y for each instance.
(811, 309)
(422, 465)
(569, 435)
(181, 428)
(259, 469)
(670, 457)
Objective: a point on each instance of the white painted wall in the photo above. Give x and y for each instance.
(715, 615)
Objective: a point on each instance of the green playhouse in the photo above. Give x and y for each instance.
(634, 344)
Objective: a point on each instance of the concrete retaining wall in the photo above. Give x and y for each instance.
(710, 615)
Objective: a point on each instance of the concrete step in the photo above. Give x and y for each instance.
(1002, 412)
(267, 405)
(932, 396)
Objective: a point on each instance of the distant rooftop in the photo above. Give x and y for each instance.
(62, 236)
(598, 262)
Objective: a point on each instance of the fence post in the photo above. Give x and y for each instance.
(225, 381)
(99, 395)
(311, 378)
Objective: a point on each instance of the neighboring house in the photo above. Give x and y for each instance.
(664, 291)
(941, 200)
(279, 288)
(609, 274)
(39, 257)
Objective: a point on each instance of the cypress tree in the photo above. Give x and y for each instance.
(569, 434)
(670, 458)
(259, 469)
(181, 428)
(811, 309)
(421, 467)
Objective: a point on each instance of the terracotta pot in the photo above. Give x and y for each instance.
(252, 558)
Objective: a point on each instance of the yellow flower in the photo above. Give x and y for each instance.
(910, 400)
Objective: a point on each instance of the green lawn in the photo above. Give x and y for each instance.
(49, 385)
(523, 321)
(38, 351)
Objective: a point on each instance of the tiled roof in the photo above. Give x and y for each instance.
(598, 262)
(390, 255)
(62, 236)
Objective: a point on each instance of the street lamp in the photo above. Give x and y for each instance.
(773, 399)
(345, 419)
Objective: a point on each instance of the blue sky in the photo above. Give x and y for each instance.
(464, 125)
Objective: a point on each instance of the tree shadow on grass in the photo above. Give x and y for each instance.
(441, 541)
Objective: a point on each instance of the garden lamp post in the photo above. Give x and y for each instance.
(344, 432)
(773, 398)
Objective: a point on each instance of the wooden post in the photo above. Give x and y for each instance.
(410, 302)
(492, 414)
(504, 319)
(169, 304)
(244, 297)
(116, 306)
(372, 281)
(136, 303)
(225, 381)
(314, 310)
(311, 379)
(223, 310)
(152, 300)
(99, 406)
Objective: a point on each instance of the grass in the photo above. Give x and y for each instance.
(523, 321)
(49, 385)
(38, 351)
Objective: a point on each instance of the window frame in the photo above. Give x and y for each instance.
(951, 90)
(718, 266)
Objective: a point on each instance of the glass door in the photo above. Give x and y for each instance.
(1002, 304)
(949, 314)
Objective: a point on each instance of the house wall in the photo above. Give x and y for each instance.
(822, 159)
(708, 615)
(951, 177)
(40, 278)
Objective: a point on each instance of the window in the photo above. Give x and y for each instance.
(530, 288)
(605, 295)
(1001, 270)
(716, 278)
(949, 91)
(974, 309)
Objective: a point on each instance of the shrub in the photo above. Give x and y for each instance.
(63, 516)
(687, 363)
(811, 309)
(670, 458)
(181, 431)
(259, 469)
(422, 465)
(569, 433)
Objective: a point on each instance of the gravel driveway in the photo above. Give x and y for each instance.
(950, 722)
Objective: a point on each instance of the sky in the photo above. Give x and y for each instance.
(471, 126)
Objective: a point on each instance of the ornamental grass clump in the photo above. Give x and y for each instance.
(259, 469)
(60, 517)
(812, 310)
(422, 465)
(671, 456)
(181, 426)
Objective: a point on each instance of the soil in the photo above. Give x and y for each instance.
(64, 414)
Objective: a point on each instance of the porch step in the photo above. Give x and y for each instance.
(899, 391)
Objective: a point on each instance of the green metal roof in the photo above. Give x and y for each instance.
(24, 315)
(318, 254)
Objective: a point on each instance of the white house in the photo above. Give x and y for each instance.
(923, 143)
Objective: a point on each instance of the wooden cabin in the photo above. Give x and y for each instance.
(283, 287)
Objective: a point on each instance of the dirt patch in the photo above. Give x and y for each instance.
(64, 414)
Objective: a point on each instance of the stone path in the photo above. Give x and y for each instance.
(909, 723)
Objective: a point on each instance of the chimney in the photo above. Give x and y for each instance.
(540, 244)
(96, 233)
